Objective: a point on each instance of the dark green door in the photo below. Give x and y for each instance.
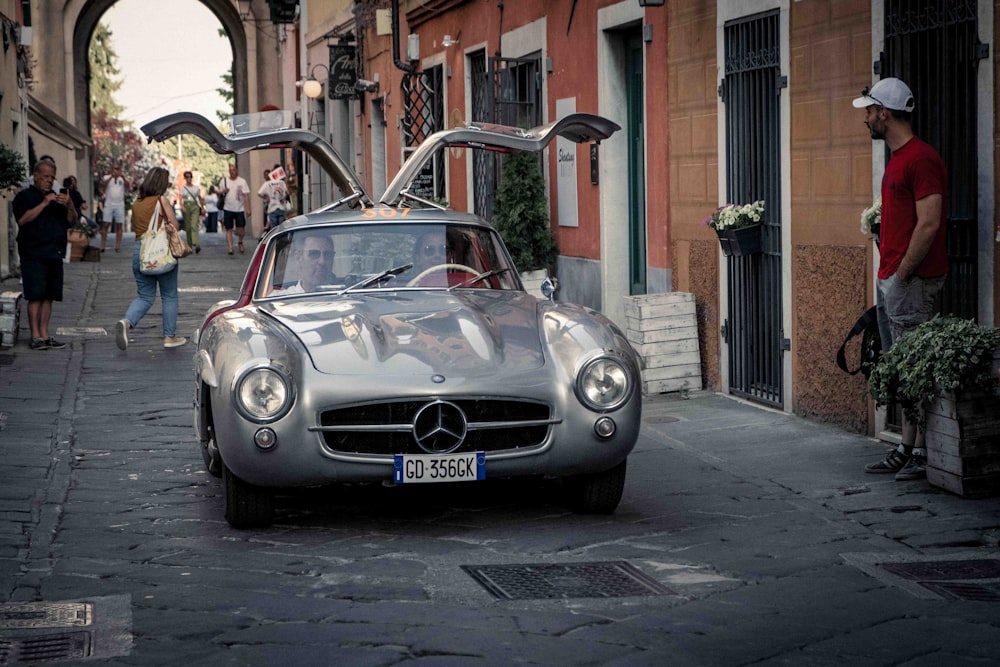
(636, 167)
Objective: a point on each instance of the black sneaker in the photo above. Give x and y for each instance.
(915, 468)
(38, 344)
(55, 344)
(894, 461)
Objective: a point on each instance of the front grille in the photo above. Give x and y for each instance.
(385, 428)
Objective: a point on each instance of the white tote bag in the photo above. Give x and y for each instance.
(154, 249)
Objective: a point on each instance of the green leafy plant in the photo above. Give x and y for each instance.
(13, 168)
(946, 354)
(521, 214)
(82, 227)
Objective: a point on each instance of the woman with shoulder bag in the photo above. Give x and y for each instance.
(150, 197)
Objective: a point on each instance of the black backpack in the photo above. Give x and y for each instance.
(871, 343)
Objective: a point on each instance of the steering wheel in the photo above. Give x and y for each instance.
(439, 267)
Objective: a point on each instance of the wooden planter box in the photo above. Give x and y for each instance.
(663, 328)
(78, 242)
(963, 443)
(742, 241)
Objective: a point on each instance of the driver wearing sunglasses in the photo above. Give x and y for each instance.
(314, 256)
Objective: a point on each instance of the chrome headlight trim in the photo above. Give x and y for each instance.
(604, 383)
(263, 393)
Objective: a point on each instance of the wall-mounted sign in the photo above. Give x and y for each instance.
(343, 72)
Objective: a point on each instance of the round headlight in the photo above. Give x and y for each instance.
(262, 394)
(603, 384)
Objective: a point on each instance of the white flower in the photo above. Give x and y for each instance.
(871, 216)
(734, 216)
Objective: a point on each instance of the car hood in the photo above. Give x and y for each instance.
(469, 333)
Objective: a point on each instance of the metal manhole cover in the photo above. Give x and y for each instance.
(45, 614)
(945, 570)
(964, 591)
(45, 648)
(611, 579)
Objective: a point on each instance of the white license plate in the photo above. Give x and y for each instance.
(439, 468)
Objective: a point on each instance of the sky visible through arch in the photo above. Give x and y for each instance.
(171, 58)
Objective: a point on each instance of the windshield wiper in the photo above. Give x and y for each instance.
(482, 276)
(377, 278)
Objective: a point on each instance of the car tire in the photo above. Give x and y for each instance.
(247, 506)
(596, 493)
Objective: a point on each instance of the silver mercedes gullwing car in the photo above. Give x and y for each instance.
(390, 340)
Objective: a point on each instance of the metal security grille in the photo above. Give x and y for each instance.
(933, 46)
(423, 115)
(505, 91)
(750, 92)
(483, 173)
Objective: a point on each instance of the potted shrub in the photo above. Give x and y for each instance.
(12, 168)
(738, 227)
(521, 215)
(948, 367)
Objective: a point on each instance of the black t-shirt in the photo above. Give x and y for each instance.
(45, 236)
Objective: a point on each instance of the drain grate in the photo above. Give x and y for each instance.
(45, 648)
(45, 614)
(610, 579)
(946, 570)
(964, 591)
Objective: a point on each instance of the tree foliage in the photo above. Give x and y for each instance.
(521, 213)
(194, 154)
(226, 91)
(104, 73)
(115, 141)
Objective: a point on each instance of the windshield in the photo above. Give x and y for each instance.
(349, 258)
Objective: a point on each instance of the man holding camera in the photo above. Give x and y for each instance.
(42, 216)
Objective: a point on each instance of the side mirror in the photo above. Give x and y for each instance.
(549, 288)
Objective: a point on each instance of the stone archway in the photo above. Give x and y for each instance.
(254, 72)
(91, 13)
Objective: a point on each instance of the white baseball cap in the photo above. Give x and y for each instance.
(890, 93)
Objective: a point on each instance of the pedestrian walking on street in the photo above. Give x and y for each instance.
(274, 194)
(912, 246)
(235, 210)
(193, 205)
(151, 195)
(211, 211)
(115, 187)
(42, 216)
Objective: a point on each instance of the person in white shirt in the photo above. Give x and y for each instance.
(115, 187)
(275, 194)
(235, 211)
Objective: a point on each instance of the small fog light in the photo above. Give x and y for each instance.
(265, 438)
(604, 427)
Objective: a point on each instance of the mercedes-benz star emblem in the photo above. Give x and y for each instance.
(439, 427)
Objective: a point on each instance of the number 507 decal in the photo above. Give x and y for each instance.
(385, 212)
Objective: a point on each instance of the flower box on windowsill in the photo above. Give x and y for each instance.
(741, 241)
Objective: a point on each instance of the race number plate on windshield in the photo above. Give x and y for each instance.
(443, 468)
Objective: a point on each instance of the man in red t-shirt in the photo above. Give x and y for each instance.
(914, 259)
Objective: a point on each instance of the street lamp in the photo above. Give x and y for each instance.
(310, 86)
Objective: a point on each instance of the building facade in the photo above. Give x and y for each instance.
(718, 101)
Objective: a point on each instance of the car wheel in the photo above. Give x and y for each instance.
(596, 493)
(247, 506)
